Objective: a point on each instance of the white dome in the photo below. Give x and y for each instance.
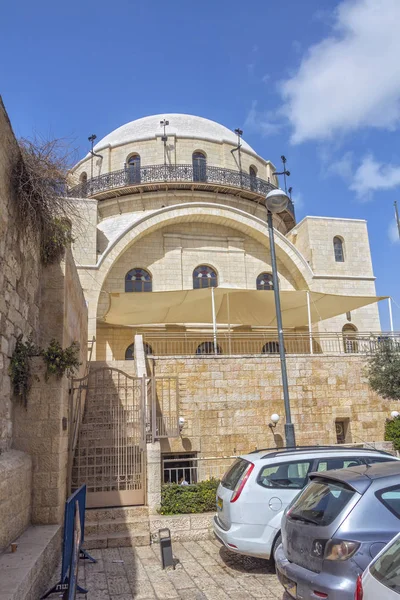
(183, 126)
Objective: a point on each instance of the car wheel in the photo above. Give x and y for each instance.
(278, 542)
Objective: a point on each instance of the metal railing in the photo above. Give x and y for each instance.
(265, 343)
(193, 470)
(187, 173)
(77, 396)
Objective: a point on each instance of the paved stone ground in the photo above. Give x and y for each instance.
(205, 571)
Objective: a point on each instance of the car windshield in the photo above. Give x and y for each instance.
(321, 502)
(386, 568)
(234, 473)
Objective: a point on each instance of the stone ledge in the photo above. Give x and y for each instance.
(26, 573)
(183, 527)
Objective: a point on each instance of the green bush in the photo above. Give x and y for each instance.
(392, 432)
(185, 499)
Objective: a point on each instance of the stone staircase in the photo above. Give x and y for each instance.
(117, 527)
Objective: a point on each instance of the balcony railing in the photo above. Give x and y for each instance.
(136, 179)
(264, 343)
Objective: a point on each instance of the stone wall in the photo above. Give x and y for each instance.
(42, 428)
(19, 276)
(15, 495)
(227, 402)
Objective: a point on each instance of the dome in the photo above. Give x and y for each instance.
(183, 126)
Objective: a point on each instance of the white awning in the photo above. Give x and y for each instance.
(232, 306)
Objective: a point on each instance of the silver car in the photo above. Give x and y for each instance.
(335, 526)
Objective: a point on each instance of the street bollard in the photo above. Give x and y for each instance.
(167, 558)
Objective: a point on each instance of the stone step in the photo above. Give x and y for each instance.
(136, 527)
(116, 540)
(123, 512)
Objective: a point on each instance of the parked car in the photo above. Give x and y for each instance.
(257, 487)
(335, 526)
(381, 579)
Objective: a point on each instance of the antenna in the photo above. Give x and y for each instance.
(285, 172)
(164, 138)
(397, 216)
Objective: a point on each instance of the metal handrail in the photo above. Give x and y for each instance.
(233, 343)
(186, 173)
(76, 410)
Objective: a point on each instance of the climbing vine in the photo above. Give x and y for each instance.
(58, 361)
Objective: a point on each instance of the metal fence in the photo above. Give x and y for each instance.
(265, 343)
(193, 470)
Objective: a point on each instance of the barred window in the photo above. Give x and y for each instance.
(138, 280)
(204, 277)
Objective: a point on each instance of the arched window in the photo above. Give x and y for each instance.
(350, 341)
(138, 280)
(270, 348)
(83, 182)
(338, 249)
(265, 281)
(199, 162)
(130, 351)
(133, 167)
(253, 178)
(204, 277)
(207, 348)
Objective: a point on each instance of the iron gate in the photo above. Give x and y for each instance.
(108, 451)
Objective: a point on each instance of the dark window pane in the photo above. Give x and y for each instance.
(291, 475)
(138, 280)
(204, 277)
(234, 473)
(321, 502)
(265, 281)
(391, 499)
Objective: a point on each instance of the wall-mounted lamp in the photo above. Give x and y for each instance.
(274, 421)
(394, 414)
(181, 421)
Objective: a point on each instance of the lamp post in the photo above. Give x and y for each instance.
(276, 201)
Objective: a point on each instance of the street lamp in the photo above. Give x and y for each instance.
(276, 201)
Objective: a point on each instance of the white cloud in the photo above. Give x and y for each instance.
(261, 122)
(393, 233)
(342, 167)
(372, 176)
(350, 79)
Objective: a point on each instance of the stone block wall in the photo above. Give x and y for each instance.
(19, 276)
(227, 402)
(38, 431)
(15, 495)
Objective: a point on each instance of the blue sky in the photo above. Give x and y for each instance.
(316, 81)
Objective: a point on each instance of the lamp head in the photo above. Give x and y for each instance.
(394, 414)
(275, 418)
(181, 422)
(276, 201)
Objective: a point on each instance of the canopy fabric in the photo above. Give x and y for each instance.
(232, 306)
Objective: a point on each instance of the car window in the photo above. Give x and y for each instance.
(391, 499)
(386, 568)
(378, 459)
(234, 473)
(321, 502)
(338, 463)
(291, 475)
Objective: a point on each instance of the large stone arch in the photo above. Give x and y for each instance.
(202, 212)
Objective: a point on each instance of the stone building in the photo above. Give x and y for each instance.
(176, 202)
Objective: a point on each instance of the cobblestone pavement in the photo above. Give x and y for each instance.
(205, 571)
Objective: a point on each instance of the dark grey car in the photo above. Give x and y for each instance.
(333, 529)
